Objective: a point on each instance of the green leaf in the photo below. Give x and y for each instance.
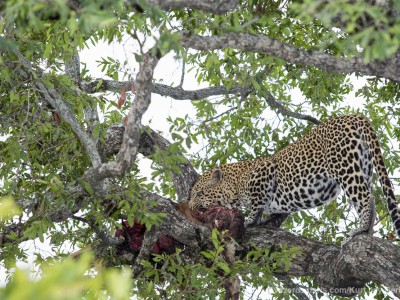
(8, 44)
(8, 208)
(224, 266)
(86, 186)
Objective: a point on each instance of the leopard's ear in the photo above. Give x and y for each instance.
(217, 175)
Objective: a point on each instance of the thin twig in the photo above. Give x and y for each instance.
(274, 104)
(221, 114)
(183, 74)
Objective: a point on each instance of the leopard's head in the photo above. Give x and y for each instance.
(212, 189)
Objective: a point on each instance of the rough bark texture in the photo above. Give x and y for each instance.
(164, 90)
(338, 270)
(215, 6)
(264, 44)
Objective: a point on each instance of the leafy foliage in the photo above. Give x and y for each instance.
(175, 278)
(69, 279)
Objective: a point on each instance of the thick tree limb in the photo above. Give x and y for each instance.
(389, 69)
(341, 271)
(216, 6)
(337, 270)
(177, 226)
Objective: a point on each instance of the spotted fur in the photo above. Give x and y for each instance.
(339, 154)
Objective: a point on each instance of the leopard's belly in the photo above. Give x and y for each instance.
(302, 194)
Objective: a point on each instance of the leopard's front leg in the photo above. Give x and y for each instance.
(260, 191)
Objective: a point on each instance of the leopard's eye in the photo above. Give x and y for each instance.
(199, 194)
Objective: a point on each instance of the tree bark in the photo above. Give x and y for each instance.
(261, 43)
(338, 270)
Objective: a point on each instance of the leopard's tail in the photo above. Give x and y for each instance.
(374, 147)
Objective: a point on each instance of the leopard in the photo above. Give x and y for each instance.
(337, 155)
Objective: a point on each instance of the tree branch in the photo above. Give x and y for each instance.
(214, 6)
(179, 94)
(285, 112)
(51, 96)
(130, 144)
(73, 67)
(261, 43)
(337, 270)
(176, 93)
